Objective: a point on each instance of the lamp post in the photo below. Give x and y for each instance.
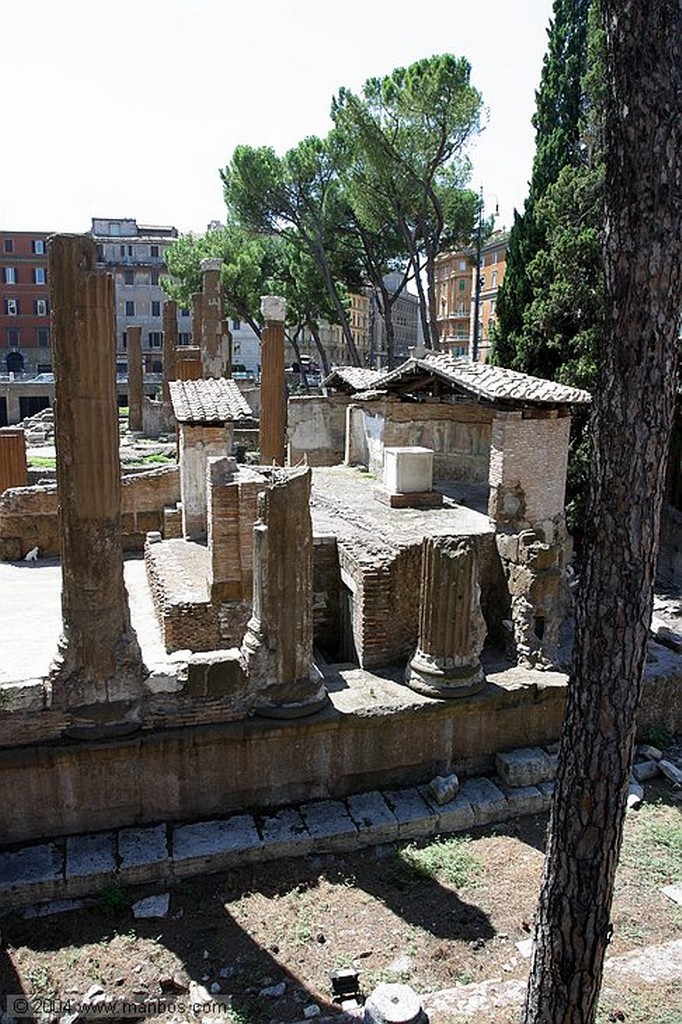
(477, 289)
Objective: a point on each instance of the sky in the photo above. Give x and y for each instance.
(128, 108)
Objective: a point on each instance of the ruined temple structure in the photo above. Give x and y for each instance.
(499, 443)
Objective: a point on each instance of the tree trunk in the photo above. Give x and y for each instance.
(632, 422)
(431, 297)
(312, 327)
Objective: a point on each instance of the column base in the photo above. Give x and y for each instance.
(425, 676)
(295, 709)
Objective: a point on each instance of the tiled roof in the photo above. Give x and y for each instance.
(208, 401)
(351, 378)
(489, 383)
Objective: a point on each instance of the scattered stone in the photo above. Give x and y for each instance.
(673, 892)
(215, 988)
(94, 994)
(645, 770)
(525, 947)
(666, 636)
(152, 906)
(635, 795)
(649, 752)
(311, 1011)
(444, 788)
(401, 965)
(671, 771)
(199, 994)
(51, 908)
(393, 1004)
(525, 767)
(273, 991)
(227, 972)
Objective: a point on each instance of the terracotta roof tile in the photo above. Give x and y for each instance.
(208, 401)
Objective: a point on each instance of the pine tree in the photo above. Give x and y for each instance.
(558, 121)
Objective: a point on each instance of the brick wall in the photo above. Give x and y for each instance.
(531, 456)
(316, 429)
(28, 515)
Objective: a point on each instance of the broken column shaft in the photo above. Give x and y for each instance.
(277, 652)
(273, 415)
(215, 354)
(451, 625)
(170, 344)
(135, 377)
(99, 659)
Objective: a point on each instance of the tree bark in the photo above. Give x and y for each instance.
(632, 421)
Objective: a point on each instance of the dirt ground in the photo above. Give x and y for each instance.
(432, 915)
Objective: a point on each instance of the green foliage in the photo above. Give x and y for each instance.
(446, 860)
(112, 900)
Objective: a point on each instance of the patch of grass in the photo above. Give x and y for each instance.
(445, 860)
(42, 461)
(658, 736)
(158, 457)
(653, 844)
(655, 1004)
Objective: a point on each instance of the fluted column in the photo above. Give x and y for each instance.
(99, 658)
(277, 651)
(13, 469)
(170, 344)
(273, 411)
(451, 625)
(135, 377)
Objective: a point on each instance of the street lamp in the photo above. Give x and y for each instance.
(477, 290)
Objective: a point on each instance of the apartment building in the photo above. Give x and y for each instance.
(24, 305)
(134, 254)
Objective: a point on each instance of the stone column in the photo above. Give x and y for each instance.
(273, 415)
(451, 625)
(99, 659)
(188, 363)
(197, 318)
(13, 469)
(170, 344)
(135, 377)
(277, 651)
(213, 343)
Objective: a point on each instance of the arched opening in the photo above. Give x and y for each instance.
(15, 362)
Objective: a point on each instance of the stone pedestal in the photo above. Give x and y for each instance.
(13, 469)
(170, 344)
(451, 625)
(273, 414)
(99, 661)
(277, 652)
(135, 377)
(214, 345)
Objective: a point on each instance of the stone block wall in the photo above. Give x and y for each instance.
(316, 429)
(28, 515)
(459, 435)
(198, 443)
(528, 461)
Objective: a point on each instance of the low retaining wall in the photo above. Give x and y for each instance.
(28, 515)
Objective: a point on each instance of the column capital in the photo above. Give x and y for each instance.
(273, 308)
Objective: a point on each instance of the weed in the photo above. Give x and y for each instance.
(112, 900)
(653, 845)
(446, 860)
(658, 736)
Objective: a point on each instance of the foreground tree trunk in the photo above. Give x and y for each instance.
(632, 422)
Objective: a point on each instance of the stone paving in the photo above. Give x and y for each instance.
(84, 864)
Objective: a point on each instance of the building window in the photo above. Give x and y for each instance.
(13, 337)
(493, 257)
(154, 250)
(40, 307)
(123, 250)
(100, 254)
(462, 284)
(493, 279)
(39, 275)
(155, 339)
(236, 325)
(184, 312)
(156, 308)
(38, 246)
(9, 275)
(462, 264)
(43, 337)
(130, 309)
(11, 307)
(130, 250)
(482, 280)
(184, 338)
(155, 277)
(124, 341)
(129, 277)
(8, 245)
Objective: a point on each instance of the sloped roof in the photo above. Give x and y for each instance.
(352, 378)
(208, 401)
(486, 383)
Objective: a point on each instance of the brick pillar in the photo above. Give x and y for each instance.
(225, 576)
(214, 347)
(99, 659)
(198, 443)
(197, 318)
(135, 377)
(452, 629)
(277, 651)
(272, 391)
(170, 344)
(13, 469)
